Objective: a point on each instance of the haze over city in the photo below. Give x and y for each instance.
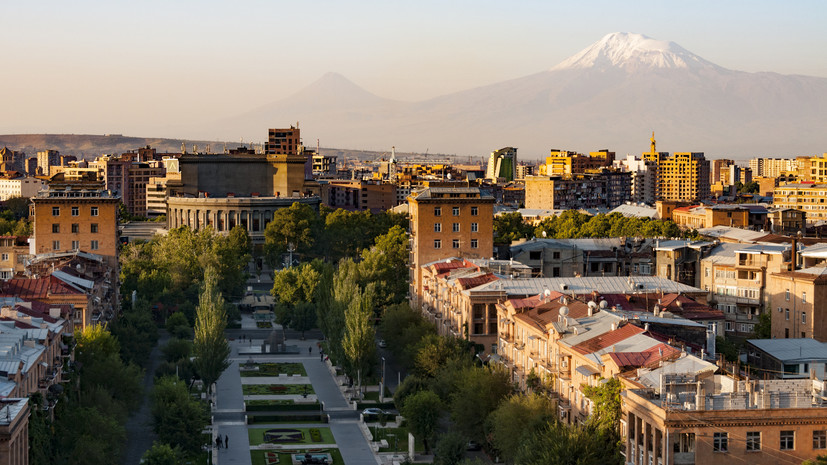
(182, 70)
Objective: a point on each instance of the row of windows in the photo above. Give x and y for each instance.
(720, 441)
(93, 228)
(455, 211)
(787, 315)
(803, 296)
(455, 227)
(75, 245)
(93, 211)
(455, 243)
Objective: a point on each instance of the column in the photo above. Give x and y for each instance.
(631, 421)
(646, 442)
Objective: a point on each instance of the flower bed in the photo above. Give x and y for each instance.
(264, 324)
(276, 389)
(315, 435)
(274, 369)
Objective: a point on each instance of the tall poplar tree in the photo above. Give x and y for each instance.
(210, 345)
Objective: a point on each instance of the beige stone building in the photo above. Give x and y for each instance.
(793, 297)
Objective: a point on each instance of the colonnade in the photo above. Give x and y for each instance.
(254, 221)
(646, 444)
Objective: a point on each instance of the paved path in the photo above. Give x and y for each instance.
(229, 416)
(138, 426)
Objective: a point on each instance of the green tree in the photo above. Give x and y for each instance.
(509, 227)
(434, 351)
(297, 225)
(564, 445)
(137, 334)
(85, 435)
(763, 330)
(450, 449)
(606, 399)
(514, 418)
(403, 328)
(210, 346)
(161, 454)
(358, 339)
(422, 411)
(385, 265)
(177, 349)
(479, 392)
(410, 386)
(18, 206)
(177, 417)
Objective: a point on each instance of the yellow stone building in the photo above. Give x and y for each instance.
(809, 197)
(683, 176)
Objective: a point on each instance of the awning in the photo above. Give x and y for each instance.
(586, 370)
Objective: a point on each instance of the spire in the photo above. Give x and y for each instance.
(652, 146)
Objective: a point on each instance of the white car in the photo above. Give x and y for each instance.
(373, 411)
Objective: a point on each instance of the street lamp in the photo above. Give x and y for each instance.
(382, 383)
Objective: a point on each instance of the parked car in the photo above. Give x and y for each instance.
(373, 411)
(473, 445)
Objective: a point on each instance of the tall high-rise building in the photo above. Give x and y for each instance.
(45, 159)
(718, 170)
(683, 176)
(566, 163)
(502, 164)
(644, 178)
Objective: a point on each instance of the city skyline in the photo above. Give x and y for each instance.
(158, 69)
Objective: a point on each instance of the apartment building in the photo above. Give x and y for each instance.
(555, 258)
(808, 197)
(566, 163)
(738, 276)
(561, 193)
(76, 214)
(737, 216)
(677, 416)
(13, 184)
(502, 165)
(683, 176)
(14, 431)
(46, 159)
(359, 195)
(14, 253)
(793, 297)
(448, 222)
(643, 179)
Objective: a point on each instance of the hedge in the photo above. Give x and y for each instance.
(284, 407)
(252, 419)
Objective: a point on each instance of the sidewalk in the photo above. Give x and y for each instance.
(228, 415)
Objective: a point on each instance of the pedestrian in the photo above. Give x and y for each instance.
(218, 442)
(309, 350)
(226, 442)
(321, 356)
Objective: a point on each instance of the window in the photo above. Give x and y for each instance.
(474, 243)
(94, 228)
(437, 244)
(820, 439)
(55, 211)
(455, 211)
(720, 442)
(437, 227)
(94, 211)
(474, 211)
(75, 245)
(475, 227)
(5, 257)
(75, 211)
(753, 440)
(787, 295)
(787, 314)
(787, 440)
(437, 211)
(555, 255)
(455, 243)
(803, 318)
(55, 245)
(55, 229)
(803, 297)
(455, 227)
(94, 245)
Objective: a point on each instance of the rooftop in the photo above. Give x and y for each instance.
(587, 285)
(791, 350)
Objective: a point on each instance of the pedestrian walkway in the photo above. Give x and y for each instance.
(229, 418)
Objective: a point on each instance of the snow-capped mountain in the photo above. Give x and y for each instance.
(612, 94)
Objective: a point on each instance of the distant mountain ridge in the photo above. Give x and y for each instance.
(611, 94)
(90, 146)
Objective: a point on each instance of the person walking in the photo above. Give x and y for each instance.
(226, 442)
(218, 442)
(321, 356)
(309, 350)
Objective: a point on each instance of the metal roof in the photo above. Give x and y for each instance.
(586, 285)
(789, 350)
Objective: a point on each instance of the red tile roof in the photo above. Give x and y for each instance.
(468, 283)
(36, 288)
(646, 358)
(607, 339)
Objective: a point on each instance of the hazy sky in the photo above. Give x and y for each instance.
(136, 66)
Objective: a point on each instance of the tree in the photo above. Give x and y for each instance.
(297, 225)
(559, 444)
(403, 328)
(763, 330)
(177, 349)
(479, 392)
(450, 449)
(606, 399)
(18, 206)
(433, 352)
(161, 454)
(358, 340)
(209, 345)
(385, 265)
(514, 418)
(177, 417)
(301, 317)
(422, 411)
(509, 227)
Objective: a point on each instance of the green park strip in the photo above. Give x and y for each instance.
(258, 457)
(272, 369)
(397, 439)
(276, 389)
(287, 435)
(268, 402)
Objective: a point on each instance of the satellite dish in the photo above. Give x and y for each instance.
(564, 311)
(544, 234)
(603, 304)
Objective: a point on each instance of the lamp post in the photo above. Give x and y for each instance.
(382, 383)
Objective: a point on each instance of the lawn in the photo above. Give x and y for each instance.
(276, 389)
(374, 395)
(287, 435)
(401, 433)
(257, 457)
(268, 402)
(275, 369)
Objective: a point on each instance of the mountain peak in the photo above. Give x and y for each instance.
(631, 51)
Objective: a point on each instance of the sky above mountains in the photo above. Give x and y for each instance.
(156, 67)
